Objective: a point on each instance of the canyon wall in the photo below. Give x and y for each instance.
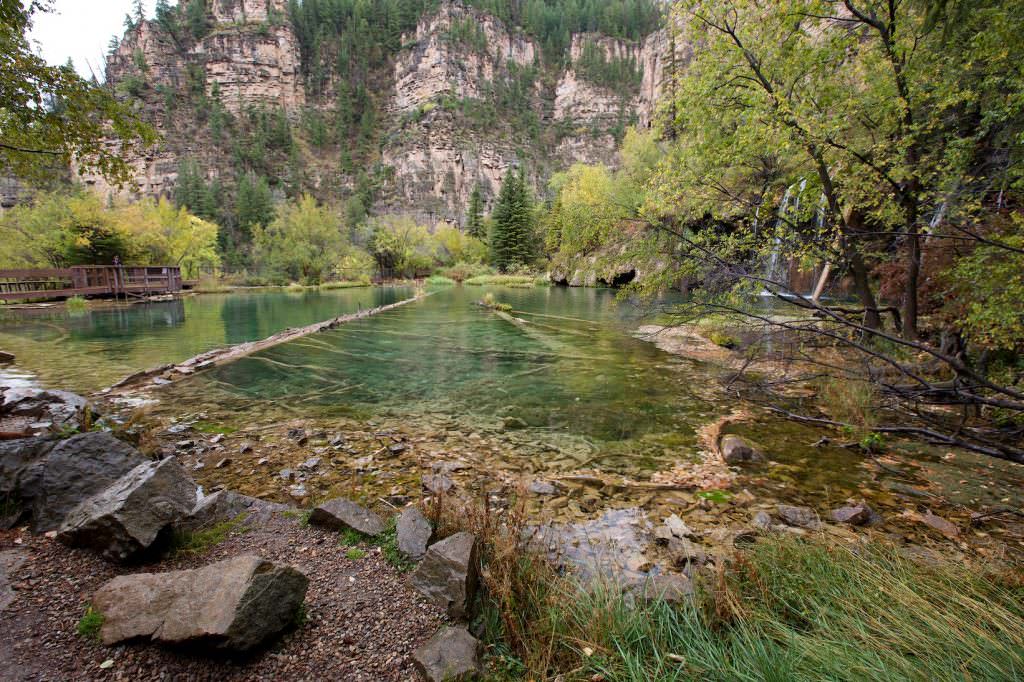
(434, 145)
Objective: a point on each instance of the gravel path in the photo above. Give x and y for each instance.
(363, 620)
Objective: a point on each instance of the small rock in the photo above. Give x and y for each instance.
(337, 440)
(856, 515)
(6, 357)
(263, 461)
(298, 491)
(286, 474)
(299, 436)
(542, 488)
(223, 463)
(414, 532)
(244, 448)
(447, 575)
(452, 655)
(762, 520)
(397, 448)
(801, 517)
(685, 552)
(736, 450)
(678, 527)
(947, 528)
(217, 439)
(310, 464)
(339, 513)
(437, 484)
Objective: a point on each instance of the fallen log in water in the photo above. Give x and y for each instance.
(222, 356)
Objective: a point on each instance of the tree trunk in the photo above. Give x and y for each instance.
(859, 270)
(913, 275)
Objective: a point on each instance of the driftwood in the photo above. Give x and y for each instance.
(222, 356)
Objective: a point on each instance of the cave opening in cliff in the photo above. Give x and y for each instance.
(623, 278)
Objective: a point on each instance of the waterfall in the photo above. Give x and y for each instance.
(777, 270)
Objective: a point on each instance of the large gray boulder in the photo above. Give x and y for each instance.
(126, 518)
(234, 605)
(227, 505)
(414, 532)
(339, 514)
(451, 655)
(17, 460)
(73, 471)
(447, 575)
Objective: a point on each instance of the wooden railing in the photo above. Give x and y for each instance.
(89, 280)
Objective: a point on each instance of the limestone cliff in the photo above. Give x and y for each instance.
(462, 100)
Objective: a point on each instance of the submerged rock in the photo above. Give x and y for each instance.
(856, 515)
(539, 487)
(126, 518)
(414, 532)
(451, 655)
(736, 450)
(73, 471)
(801, 517)
(339, 514)
(437, 484)
(236, 604)
(447, 575)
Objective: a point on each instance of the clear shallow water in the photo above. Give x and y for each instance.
(569, 373)
(90, 350)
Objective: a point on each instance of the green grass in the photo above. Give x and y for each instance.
(90, 623)
(196, 542)
(387, 541)
(328, 286)
(440, 281)
(355, 554)
(785, 610)
(503, 280)
(213, 428)
(76, 304)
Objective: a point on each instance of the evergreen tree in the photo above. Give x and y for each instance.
(192, 192)
(254, 204)
(195, 17)
(512, 234)
(475, 214)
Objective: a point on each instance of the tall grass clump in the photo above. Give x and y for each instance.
(850, 401)
(76, 304)
(440, 281)
(784, 609)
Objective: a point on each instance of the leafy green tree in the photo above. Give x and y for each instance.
(304, 243)
(400, 246)
(475, 214)
(512, 237)
(50, 116)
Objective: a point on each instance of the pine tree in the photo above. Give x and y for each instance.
(512, 234)
(254, 204)
(475, 214)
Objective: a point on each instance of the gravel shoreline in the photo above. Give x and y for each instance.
(363, 620)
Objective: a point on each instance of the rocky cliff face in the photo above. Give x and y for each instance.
(446, 119)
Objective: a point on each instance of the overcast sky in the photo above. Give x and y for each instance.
(81, 30)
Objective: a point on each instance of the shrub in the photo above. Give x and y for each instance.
(440, 281)
(90, 623)
(76, 304)
(462, 271)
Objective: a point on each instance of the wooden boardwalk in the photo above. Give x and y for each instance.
(89, 280)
